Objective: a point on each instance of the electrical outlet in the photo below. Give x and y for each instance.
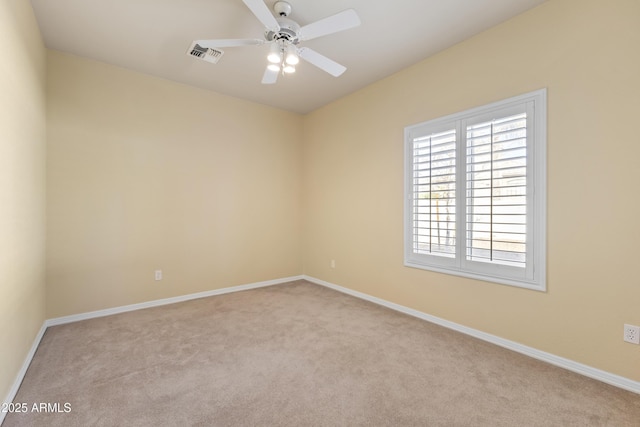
(632, 334)
(333, 263)
(158, 275)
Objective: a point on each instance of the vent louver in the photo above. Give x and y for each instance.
(204, 53)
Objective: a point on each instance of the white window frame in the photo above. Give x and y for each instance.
(533, 276)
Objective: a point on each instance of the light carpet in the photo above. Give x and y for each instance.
(297, 354)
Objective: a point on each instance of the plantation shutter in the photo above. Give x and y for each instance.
(496, 191)
(475, 184)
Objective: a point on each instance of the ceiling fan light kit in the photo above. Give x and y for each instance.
(284, 35)
(282, 56)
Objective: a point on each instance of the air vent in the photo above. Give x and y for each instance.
(204, 53)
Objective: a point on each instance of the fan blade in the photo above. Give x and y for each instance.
(262, 12)
(229, 42)
(332, 24)
(321, 61)
(270, 76)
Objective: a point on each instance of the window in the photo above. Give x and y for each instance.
(475, 187)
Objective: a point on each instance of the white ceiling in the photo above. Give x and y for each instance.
(152, 36)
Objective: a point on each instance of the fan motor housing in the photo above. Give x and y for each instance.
(289, 31)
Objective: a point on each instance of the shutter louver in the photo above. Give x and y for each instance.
(496, 186)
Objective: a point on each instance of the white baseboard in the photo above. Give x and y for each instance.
(165, 301)
(588, 371)
(107, 312)
(23, 370)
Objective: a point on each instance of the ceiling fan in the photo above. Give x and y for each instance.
(284, 35)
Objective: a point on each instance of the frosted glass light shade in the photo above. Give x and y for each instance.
(275, 56)
(292, 56)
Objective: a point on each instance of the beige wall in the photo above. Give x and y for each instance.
(586, 54)
(22, 187)
(146, 174)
